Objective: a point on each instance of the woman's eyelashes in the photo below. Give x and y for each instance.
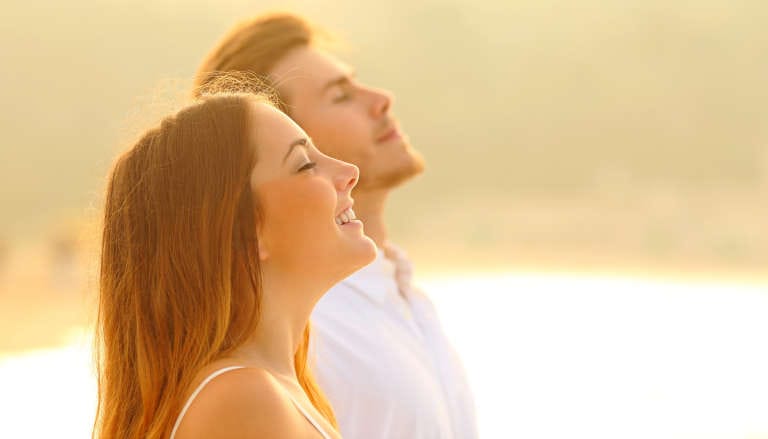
(307, 166)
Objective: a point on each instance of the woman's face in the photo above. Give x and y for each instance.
(307, 227)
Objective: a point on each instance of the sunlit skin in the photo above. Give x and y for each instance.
(303, 252)
(352, 122)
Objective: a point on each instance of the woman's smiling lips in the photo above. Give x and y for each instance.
(355, 224)
(347, 217)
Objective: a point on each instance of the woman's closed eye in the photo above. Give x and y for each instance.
(307, 166)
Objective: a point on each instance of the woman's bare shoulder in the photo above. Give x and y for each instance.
(241, 403)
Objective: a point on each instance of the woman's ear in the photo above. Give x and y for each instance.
(261, 244)
(263, 252)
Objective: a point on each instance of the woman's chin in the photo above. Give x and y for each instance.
(370, 251)
(360, 253)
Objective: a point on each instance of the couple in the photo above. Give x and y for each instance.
(231, 223)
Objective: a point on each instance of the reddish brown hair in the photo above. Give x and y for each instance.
(256, 45)
(180, 284)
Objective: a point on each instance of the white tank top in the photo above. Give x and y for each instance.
(227, 369)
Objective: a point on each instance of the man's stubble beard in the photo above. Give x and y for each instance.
(394, 177)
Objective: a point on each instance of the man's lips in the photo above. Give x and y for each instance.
(390, 134)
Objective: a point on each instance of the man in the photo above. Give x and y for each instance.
(381, 355)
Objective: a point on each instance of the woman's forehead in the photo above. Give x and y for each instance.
(273, 132)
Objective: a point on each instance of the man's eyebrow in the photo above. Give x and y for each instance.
(340, 80)
(298, 142)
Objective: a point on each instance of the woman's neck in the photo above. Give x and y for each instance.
(280, 329)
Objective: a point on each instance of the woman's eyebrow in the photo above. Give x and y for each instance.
(294, 144)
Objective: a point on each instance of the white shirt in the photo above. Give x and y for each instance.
(383, 361)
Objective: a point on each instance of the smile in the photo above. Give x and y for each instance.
(345, 216)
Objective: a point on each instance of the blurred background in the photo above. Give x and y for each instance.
(596, 189)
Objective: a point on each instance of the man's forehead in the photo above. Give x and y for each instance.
(310, 66)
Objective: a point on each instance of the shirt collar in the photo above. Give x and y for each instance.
(403, 267)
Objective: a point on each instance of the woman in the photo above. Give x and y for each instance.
(223, 227)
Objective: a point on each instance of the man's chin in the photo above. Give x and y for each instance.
(401, 174)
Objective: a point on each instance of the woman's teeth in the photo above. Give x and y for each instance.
(345, 217)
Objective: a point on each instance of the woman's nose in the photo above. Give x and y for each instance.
(346, 176)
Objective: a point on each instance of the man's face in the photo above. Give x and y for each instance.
(345, 119)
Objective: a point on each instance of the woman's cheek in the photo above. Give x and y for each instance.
(297, 207)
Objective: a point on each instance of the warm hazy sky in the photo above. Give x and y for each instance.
(507, 100)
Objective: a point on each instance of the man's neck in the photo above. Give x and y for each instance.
(369, 208)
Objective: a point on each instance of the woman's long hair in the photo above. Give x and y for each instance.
(180, 283)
